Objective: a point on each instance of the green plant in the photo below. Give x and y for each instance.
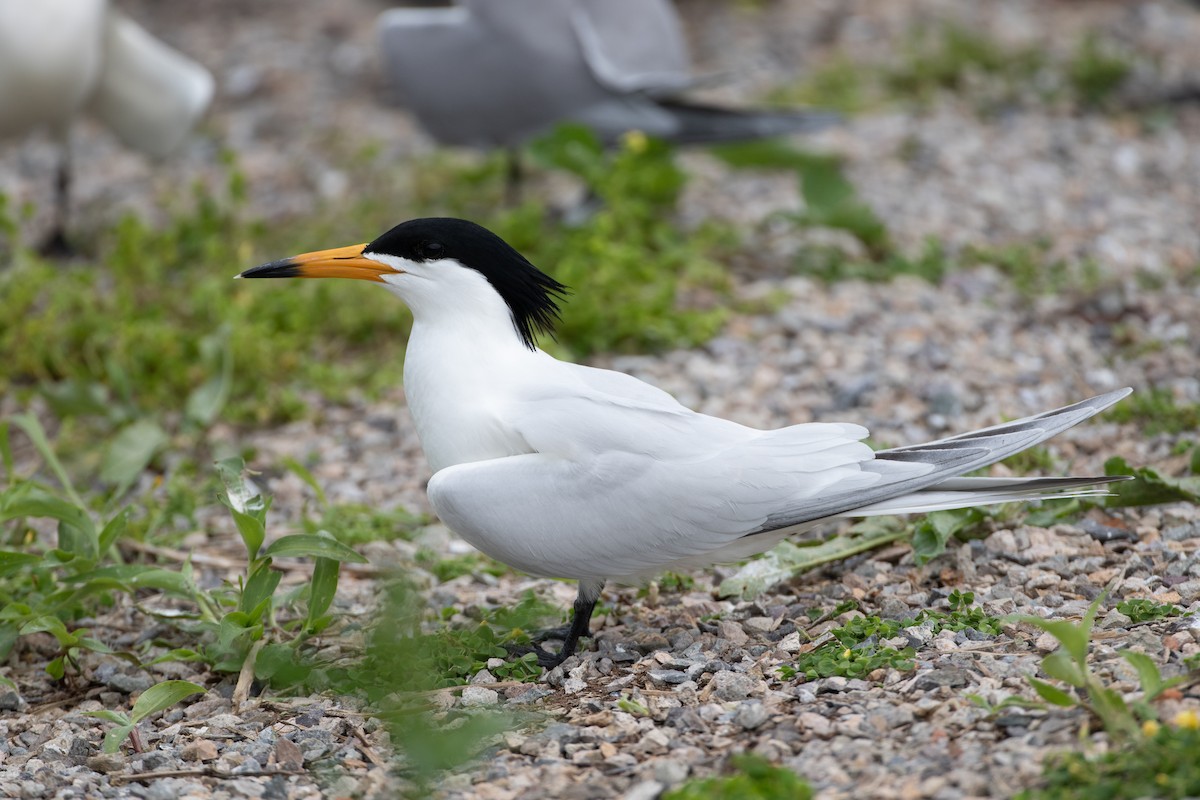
(1157, 411)
(157, 698)
(627, 254)
(853, 652)
(1095, 72)
(830, 198)
(1069, 665)
(1162, 764)
(854, 649)
(1143, 610)
(1032, 273)
(948, 58)
(753, 778)
(841, 84)
(1148, 487)
(930, 535)
(237, 619)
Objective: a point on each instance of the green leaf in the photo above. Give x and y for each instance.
(51, 625)
(259, 587)
(130, 452)
(1148, 674)
(130, 577)
(1148, 487)
(33, 429)
(113, 739)
(245, 503)
(206, 401)
(305, 545)
(178, 654)
(77, 532)
(1051, 694)
(932, 533)
(115, 717)
(303, 474)
(113, 531)
(162, 696)
(1058, 665)
(323, 588)
(11, 562)
(789, 559)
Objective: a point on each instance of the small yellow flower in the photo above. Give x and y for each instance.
(1150, 727)
(1162, 779)
(635, 142)
(1187, 719)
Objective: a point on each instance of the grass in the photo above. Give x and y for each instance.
(752, 778)
(1156, 411)
(952, 59)
(153, 327)
(854, 651)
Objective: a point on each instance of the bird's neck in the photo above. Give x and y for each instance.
(459, 380)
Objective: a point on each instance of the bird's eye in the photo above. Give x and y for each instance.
(430, 250)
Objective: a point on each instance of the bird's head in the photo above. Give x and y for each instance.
(441, 268)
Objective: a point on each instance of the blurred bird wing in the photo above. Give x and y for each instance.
(633, 45)
(149, 94)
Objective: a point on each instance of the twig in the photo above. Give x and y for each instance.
(366, 748)
(241, 692)
(200, 772)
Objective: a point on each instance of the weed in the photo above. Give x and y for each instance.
(930, 534)
(1095, 72)
(1148, 487)
(1069, 665)
(830, 199)
(447, 569)
(753, 778)
(1161, 764)
(839, 85)
(1026, 265)
(1157, 411)
(157, 698)
(854, 650)
(949, 58)
(1143, 610)
(1033, 460)
(628, 254)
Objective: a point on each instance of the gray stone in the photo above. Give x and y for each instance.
(729, 686)
(751, 714)
(668, 676)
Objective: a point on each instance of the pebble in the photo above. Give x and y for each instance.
(474, 696)
(733, 686)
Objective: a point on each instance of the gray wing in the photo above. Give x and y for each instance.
(633, 45)
(487, 73)
(947, 459)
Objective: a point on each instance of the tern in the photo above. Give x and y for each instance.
(60, 59)
(568, 471)
(485, 73)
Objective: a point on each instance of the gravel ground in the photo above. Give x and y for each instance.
(910, 360)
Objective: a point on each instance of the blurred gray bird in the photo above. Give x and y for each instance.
(493, 73)
(60, 59)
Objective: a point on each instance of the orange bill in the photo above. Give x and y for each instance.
(340, 262)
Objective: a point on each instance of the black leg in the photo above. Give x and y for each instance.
(513, 176)
(56, 244)
(585, 604)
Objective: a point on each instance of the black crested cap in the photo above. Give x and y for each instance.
(531, 294)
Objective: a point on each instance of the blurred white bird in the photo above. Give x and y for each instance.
(568, 471)
(62, 58)
(493, 73)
